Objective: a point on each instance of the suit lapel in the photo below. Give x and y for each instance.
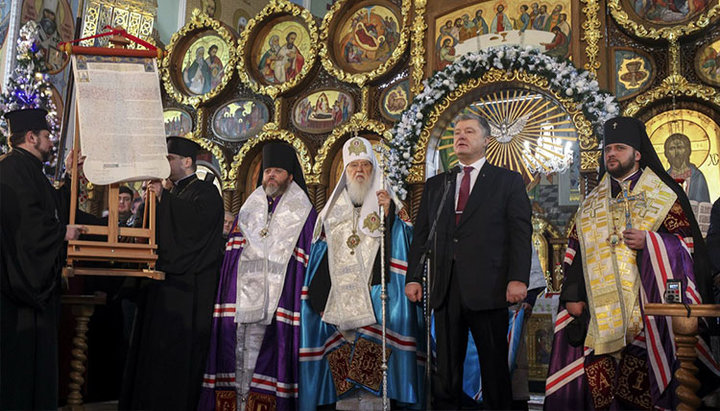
(479, 191)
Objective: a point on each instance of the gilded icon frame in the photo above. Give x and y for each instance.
(336, 17)
(642, 28)
(199, 26)
(249, 44)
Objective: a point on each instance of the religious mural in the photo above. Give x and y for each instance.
(177, 122)
(707, 63)
(239, 120)
(668, 12)
(394, 100)
(282, 52)
(56, 23)
(633, 73)
(368, 37)
(544, 24)
(203, 65)
(687, 143)
(322, 111)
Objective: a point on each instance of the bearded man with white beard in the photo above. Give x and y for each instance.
(341, 320)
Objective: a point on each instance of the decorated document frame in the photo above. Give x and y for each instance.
(707, 63)
(395, 99)
(200, 61)
(277, 49)
(361, 41)
(238, 120)
(125, 141)
(655, 20)
(321, 111)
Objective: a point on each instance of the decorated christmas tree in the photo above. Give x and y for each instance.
(28, 86)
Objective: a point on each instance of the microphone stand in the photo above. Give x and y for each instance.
(424, 264)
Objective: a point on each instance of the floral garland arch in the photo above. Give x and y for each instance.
(577, 84)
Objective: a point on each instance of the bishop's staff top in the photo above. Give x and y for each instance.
(121, 124)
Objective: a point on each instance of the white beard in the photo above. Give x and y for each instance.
(357, 191)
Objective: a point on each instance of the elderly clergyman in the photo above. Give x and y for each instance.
(341, 337)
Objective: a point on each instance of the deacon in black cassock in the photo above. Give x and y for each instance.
(32, 253)
(172, 328)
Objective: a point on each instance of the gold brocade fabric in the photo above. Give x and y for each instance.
(611, 275)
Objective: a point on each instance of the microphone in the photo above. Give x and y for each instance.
(450, 174)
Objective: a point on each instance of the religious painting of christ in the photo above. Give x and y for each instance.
(368, 36)
(239, 120)
(322, 111)
(707, 63)
(203, 65)
(668, 11)
(282, 52)
(687, 143)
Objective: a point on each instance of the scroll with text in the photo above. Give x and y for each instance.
(120, 114)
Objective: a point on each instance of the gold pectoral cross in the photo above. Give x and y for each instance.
(624, 201)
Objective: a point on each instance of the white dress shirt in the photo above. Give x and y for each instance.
(473, 176)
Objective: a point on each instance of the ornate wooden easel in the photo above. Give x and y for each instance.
(144, 250)
(685, 327)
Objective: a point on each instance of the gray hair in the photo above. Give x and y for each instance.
(484, 126)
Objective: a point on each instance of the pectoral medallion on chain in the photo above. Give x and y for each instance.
(352, 242)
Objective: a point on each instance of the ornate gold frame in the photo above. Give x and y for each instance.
(275, 9)
(655, 31)
(592, 35)
(358, 122)
(417, 52)
(329, 27)
(673, 85)
(270, 132)
(179, 43)
(586, 137)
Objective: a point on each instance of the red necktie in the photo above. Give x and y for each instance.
(464, 193)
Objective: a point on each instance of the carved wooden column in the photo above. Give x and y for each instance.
(83, 307)
(685, 327)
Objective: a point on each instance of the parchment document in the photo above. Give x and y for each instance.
(122, 131)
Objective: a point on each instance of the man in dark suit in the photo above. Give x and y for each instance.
(483, 263)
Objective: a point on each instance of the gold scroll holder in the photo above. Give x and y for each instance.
(685, 327)
(143, 251)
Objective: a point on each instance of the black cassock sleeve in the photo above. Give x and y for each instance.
(189, 229)
(319, 288)
(32, 234)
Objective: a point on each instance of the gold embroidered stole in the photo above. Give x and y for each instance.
(611, 275)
